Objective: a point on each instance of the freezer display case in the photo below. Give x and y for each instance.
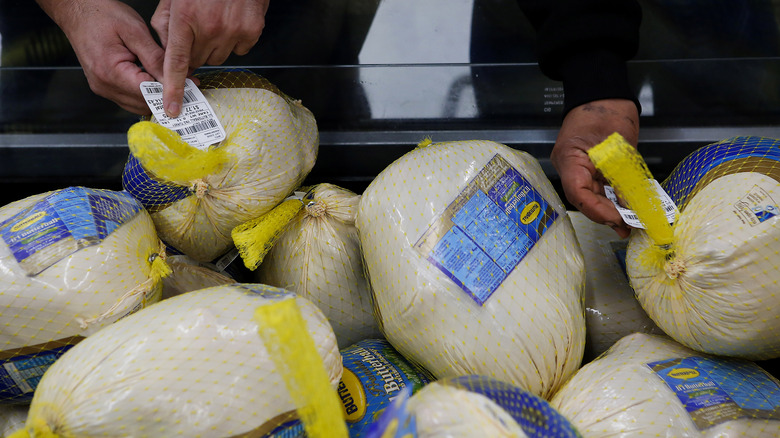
(380, 76)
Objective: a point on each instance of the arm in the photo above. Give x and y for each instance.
(586, 44)
(198, 32)
(109, 38)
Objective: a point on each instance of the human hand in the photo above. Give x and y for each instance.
(198, 32)
(583, 127)
(109, 37)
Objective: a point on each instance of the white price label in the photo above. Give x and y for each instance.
(628, 215)
(197, 123)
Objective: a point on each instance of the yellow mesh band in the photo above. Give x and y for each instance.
(295, 356)
(425, 142)
(162, 152)
(624, 168)
(40, 430)
(254, 238)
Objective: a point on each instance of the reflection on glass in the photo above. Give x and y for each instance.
(414, 32)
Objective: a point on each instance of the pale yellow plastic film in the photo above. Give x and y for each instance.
(627, 172)
(253, 239)
(162, 152)
(284, 332)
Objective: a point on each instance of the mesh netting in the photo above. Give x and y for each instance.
(209, 363)
(375, 374)
(197, 197)
(318, 256)
(472, 406)
(649, 385)
(713, 287)
(72, 261)
(611, 309)
(735, 155)
(474, 265)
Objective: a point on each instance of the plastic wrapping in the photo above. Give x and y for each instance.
(474, 265)
(192, 365)
(188, 275)
(319, 257)
(71, 262)
(271, 145)
(713, 287)
(611, 308)
(12, 418)
(650, 385)
(471, 406)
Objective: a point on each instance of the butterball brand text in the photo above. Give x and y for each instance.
(384, 379)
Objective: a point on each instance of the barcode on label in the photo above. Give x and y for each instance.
(189, 96)
(202, 126)
(668, 208)
(631, 216)
(153, 90)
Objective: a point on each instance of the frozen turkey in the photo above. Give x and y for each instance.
(191, 365)
(474, 406)
(474, 264)
(71, 261)
(650, 385)
(270, 146)
(611, 309)
(318, 256)
(717, 292)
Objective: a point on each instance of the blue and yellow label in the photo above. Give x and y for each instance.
(487, 230)
(64, 222)
(374, 375)
(714, 391)
(532, 413)
(154, 193)
(21, 369)
(734, 155)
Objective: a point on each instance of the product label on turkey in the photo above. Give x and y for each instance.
(756, 207)
(630, 217)
(197, 123)
(396, 421)
(487, 230)
(21, 369)
(715, 391)
(374, 375)
(63, 223)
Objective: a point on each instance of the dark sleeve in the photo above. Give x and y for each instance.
(586, 44)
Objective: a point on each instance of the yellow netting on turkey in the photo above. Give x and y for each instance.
(318, 256)
(240, 360)
(72, 261)
(611, 308)
(650, 385)
(710, 279)
(197, 196)
(474, 264)
(471, 406)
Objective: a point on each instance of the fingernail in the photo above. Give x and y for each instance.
(172, 110)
